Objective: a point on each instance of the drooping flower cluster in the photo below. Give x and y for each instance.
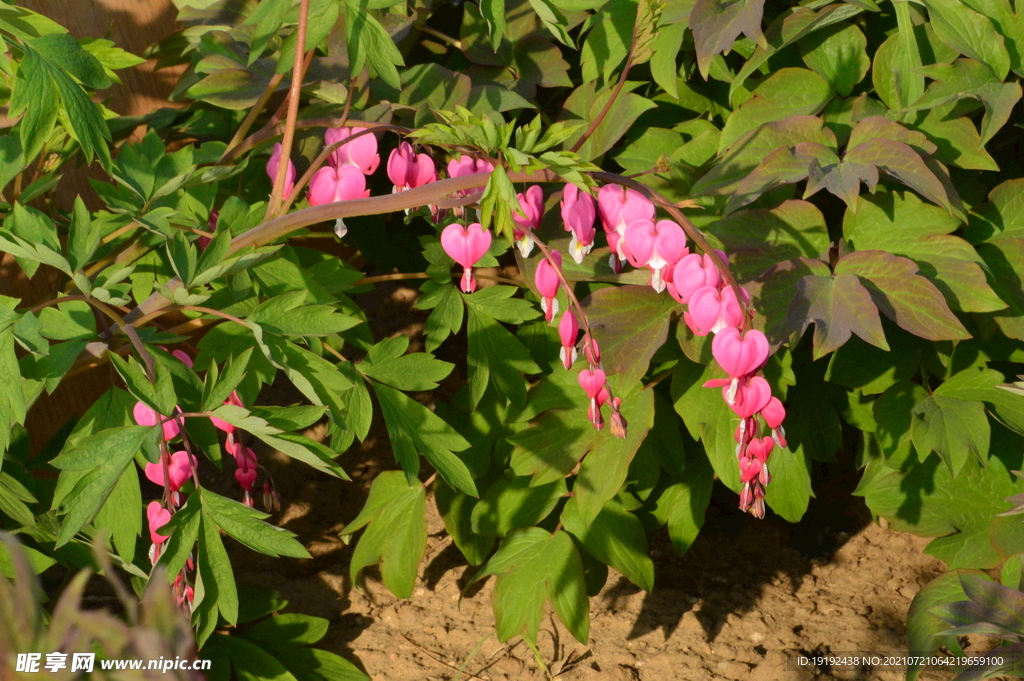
(344, 176)
(578, 215)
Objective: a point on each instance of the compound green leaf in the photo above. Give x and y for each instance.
(839, 55)
(396, 532)
(787, 92)
(952, 428)
(247, 526)
(511, 504)
(534, 566)
(616, 538)
(970, 33)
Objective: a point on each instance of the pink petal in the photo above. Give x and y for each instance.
(639, 237)
(592, 381)
(740, 355)
(158, 516)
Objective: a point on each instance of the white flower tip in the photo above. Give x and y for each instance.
(339, 228)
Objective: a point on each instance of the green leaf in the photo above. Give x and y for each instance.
(94, 450)
(893, 412)
(234, 371)
(83, 236)
(906, 60)
(370, 44)
(707, 417)
(446, 317)
(970, 33)
(552, 20)
(267, 18)
(493, 12)
(415, 429)
(416, 371)
(215, 568)
(902, 295)
(534, 566)
(663, 63)
(288, 629)
(13, 499)
(901, 224)
(969, 79)
(497, 302)
(630, 323)
(85, 123)
(928, 501)
(609, 39)
(952, 428)
(923, 628)
(64, 52)
(839, 55)
(787, 92)
(182, 531)
(122, 514)
(36, 95)
(456, 509)
(758, 239)
(246, 525)
(396, 534)
(511, 504)
(616, 538)
(717, 24)
(586, 103)
(750, 150)
(496, 357)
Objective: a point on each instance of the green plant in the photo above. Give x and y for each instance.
(570, 436)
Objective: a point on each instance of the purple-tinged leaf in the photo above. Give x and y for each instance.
(716, 24)
(748, 152)
(924, 629)
(772, 294)
(903, 296)
(785, 165)
(902, 224)
(759, 239)
(630, 323)
(882, 128)
(838, 306)
(905, 165)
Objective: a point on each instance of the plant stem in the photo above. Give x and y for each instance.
(457, 44)
(266, 134)
(423, 275)
(611, 100)
(216, 313)
(253, 114)
(293, 111)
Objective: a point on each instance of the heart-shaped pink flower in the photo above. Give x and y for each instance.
(408, 170)
(568, 329)
(739, 354)
(774, 413)
(749, 469)
(692, 272)
(158, 516)
(243, 456)
(710, 310)
(761, 448)
(246, 477)
(343, 183)
(578, 214)
(466, 245)
(360, 153)
(655, 245)
(619, 206)
(547, 283)
(592, 381)
(272, 167)
(179, 468)
(146, 416)
(467, 165)
(527, 217)
(751, 397)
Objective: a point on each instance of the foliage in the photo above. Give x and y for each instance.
(578, 420)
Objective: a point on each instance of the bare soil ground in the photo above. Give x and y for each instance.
(747, 596)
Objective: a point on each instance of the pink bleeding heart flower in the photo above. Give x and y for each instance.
(182, 357)
(761, 448)
(179, 469)
(578, 215)
(592, 381)
(274, 163)
(246, 477)
(619, 206)
(408, 170)
(547, 282)
(692, 272)
(750, 398)
(710, 310)
(750, 468)
(466, 245)
(774, 414)
(220, 424)
(591, 349)
(568, 329)
(244, 457)
(527, 217)
(360, 153)
(330, 184)
(146, 416)
(211, 226)
(158, 516)
(740, 354)
(467, 165)
(655, 245)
